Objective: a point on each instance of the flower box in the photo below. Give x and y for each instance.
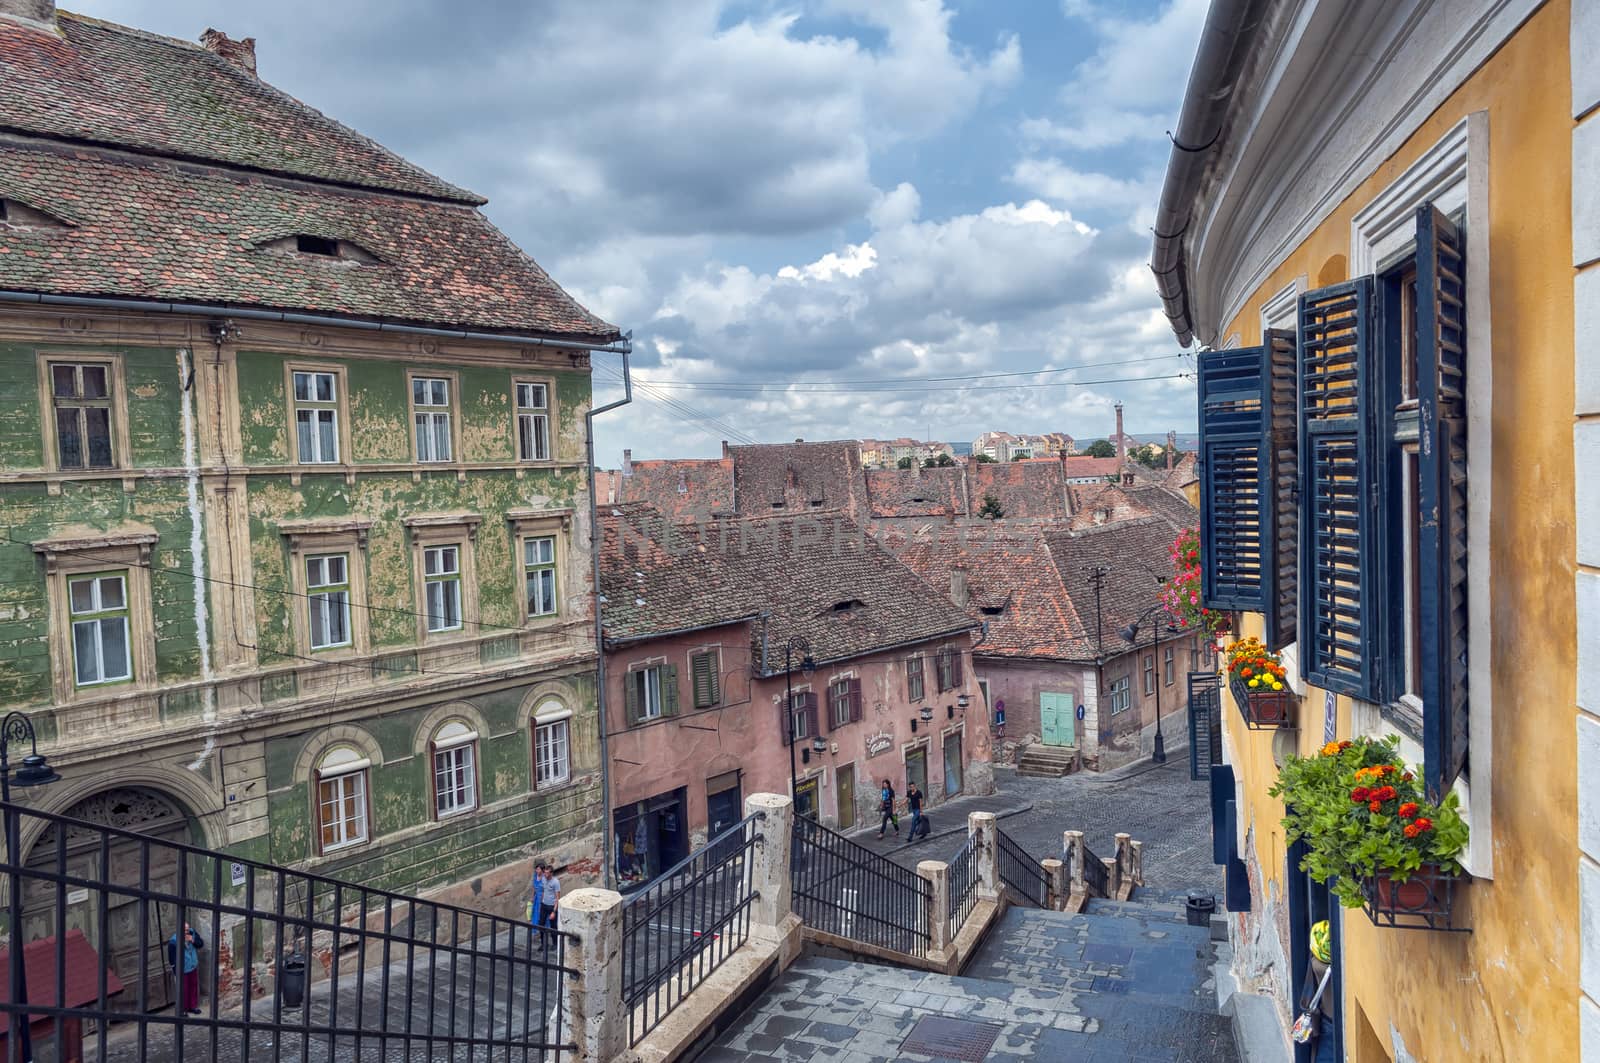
(1422, 902)
(1263, 709)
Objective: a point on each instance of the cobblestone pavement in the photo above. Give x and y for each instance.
(1157, 804)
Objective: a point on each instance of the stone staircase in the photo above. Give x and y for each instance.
(1125, 980)
(1053, 761)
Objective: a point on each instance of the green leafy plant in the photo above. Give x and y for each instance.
(1362, 813)
(991, 509)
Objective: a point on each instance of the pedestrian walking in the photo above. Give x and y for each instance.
(886, 807)
(185, 962)
(536, 898)
(914, 802)
(551, 898)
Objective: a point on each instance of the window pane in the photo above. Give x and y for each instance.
(441, 436)
(419, 391)
(114, 647)
(328, 423)
(335, 567)
(305, 437)
(86, 651)
(97, 426)
(424, 439)
(325, 387)
(441, 392)
(111, 594)
(69, 440)
(525, 451)
(64, 380)
(94, 382)
(302, 387)
(338, 618)
(82, 594)
(547, 591)
(452, 603)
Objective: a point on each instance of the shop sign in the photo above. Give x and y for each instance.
(877, 744)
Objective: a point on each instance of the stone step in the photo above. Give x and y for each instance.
(1047, 761)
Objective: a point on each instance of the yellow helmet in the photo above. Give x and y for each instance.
(1322, 942)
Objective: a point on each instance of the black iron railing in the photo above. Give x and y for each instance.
(844, 889)
(963, 887)
(1021, 872)
(682, 926)
(1096, 879)
(1205, 723)
(294, 966)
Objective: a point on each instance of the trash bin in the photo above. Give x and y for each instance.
(292, 980)
(1198, 908)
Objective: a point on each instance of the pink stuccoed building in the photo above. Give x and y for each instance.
(707, 627)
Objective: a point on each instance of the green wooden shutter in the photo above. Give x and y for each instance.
(669, 690)
(714, 668)
(1442, 473)
(1282, 555)
(1339, 490)
(1234, 479)
(630, 696)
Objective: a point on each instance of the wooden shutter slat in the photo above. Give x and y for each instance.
(1234, 498)
(855, 700)
(669, 690)
(1337, 536)
(1442, 496)
(1282, 555)
(630, 697)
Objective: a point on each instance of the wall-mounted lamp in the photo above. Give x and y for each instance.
(963, 701)
(927, 712)
(819, 745)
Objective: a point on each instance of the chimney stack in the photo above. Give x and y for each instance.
(1172, 449)
(724, 450)
(1122, 450)
(40, 11)
(627, 463)
(241, 54)
(958, 587)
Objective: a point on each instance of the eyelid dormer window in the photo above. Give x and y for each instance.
(17, 215)
(319, 245)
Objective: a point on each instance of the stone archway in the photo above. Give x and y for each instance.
(92, 856)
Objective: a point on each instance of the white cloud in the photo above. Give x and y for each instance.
(856, 260)
(1055, 180)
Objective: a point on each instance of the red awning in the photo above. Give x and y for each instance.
(83, 964)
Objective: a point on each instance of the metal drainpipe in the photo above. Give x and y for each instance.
(599, 629)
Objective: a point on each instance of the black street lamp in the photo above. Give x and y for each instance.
(1131, 634)
(34, 771)
(807, 666)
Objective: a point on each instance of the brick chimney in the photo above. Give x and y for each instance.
(241, 54)
(40, 11)
(958, 587)
(724, 450)
(1122, 450)
(627, 462)
(1172, 449)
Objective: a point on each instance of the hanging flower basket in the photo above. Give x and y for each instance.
(1421, 902)
(1256, 678)
(1371, 833)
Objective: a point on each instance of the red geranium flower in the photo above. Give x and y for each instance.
(1423, 824)
(1360, 794)
(1408, 810)
(1385, 793)
(1411, 830)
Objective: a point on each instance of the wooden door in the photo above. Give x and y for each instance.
(844, 785)
(132, 958)
(917, 768)
(1056, 719)
(952, 763)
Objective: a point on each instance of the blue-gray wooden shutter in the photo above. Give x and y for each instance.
(1282, 551)
(1234, 494)
(1442, 496)
(1339, 490)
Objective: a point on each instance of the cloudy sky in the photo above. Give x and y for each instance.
(820, 218)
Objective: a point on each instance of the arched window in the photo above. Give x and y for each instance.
(455, 768)
(342, 798)
(552, 746)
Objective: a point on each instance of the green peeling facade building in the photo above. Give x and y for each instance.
(294, 522)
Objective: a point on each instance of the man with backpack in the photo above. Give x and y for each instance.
(919, 825)
(886, 807)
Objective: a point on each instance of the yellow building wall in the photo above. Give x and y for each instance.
(1507, 990)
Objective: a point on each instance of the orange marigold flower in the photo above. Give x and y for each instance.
(1423, 824)
(1408, 810)
(1360, 794)
(1411, 830)
(1375, 806)
(1345, 744)
(1385, 793)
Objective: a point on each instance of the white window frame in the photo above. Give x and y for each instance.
(1453, 175)
(96, 615)
(446, 581)
(111, 402)
(531, 569)
(1169, 665)
(836, 699)
(1119, 692)
(429, 413)
(127, 551)
(320, 601)
(648, 682)
(455, 746)
(341, 418)
(321, 537)
(552, 749)
(345, 769)
(1148, 663)
(318, 408)
(532, 422)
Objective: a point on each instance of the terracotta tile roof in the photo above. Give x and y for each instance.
(682, 489)
(1133, 552)
(1078, 466)
(109, 84)
(819, 577)
(1186, 470)
(917, 492)
(148, 229)
(1033, 487)
(801, 476)
(156, 224)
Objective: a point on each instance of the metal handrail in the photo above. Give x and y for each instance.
(391, 954)
(684, 925)
(1020, 871)
(844, 889)
(963, 887)
(1095, 877)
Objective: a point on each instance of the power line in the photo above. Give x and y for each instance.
(961, 387)
(684, 410)
(900, 381)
